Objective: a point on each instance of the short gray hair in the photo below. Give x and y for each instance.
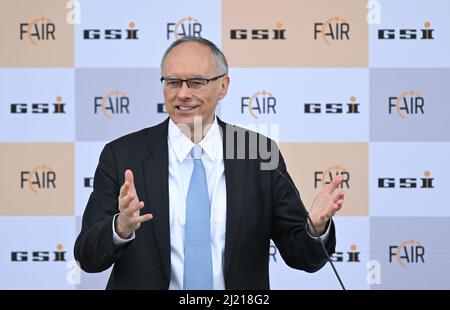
(221, 61)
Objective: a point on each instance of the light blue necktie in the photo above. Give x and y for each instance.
(197, 241)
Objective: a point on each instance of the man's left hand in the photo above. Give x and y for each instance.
(325, 206)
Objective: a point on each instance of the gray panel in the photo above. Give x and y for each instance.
(429, 84)
(423, 252)
(133, 109)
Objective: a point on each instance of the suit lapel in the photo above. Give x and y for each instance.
(235, 180)
(156, 182)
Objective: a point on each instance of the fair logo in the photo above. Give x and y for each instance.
(187, 26)
(408, 103)
(332, 30)
(41, 177)
(113, 103)
(261, 102)
(407, 252)
(323, 178)
(38, 30)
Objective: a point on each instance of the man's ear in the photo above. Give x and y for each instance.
(225, 82)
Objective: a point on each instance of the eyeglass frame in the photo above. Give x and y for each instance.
(188, 80)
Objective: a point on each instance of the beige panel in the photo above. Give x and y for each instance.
(312, 166)
(37, 179)
(31, 51)
(297, 17)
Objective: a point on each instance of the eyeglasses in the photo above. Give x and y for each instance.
(194, 83)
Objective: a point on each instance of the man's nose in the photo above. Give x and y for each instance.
(184, 92)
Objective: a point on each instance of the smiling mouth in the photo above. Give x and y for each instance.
(186, 107)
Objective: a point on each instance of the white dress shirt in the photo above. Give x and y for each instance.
(180, 170)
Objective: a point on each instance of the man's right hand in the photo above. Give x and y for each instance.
(129, 218)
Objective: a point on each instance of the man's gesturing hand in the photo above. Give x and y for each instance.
(129, 218)
(325, 205)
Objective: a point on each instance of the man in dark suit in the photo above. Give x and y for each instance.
(154, 188)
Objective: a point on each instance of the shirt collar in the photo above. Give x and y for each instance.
(182, 145)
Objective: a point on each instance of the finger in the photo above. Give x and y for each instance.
(336, 207)
(331, 210)
(124, 189)
(125, 201)
(339, 196)
(129, 177)
(339, 202)
(144, 218)
(334, 184)
(133, 208)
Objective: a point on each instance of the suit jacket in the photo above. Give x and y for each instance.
(261, 205)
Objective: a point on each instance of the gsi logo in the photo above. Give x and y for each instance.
(425, 33)
(39, 256)
(278, 33)
(112, 34)
(39, 107)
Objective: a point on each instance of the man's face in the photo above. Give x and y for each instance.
(192, 60)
